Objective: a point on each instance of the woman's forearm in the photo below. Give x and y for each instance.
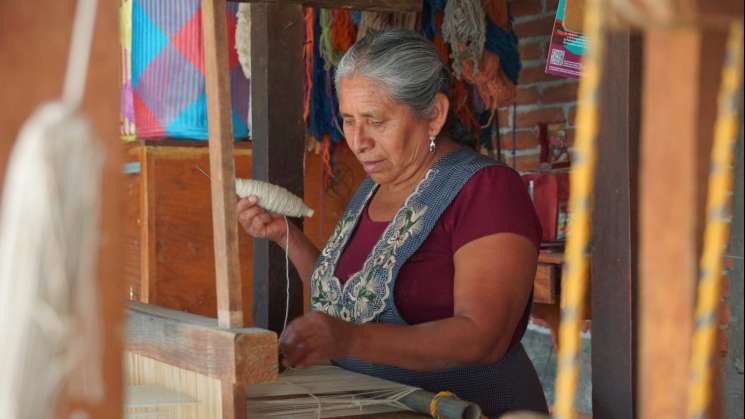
(438, 345)
(302, 252)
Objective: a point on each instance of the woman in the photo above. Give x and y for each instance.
(428, 276)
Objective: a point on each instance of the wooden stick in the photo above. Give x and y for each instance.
(677, 126)
(222, 166)
(372, 5)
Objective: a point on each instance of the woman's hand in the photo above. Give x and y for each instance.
(260, 223)
(315, 338)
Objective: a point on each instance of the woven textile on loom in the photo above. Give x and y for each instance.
(168, 89)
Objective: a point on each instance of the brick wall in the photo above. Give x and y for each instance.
(542, 98)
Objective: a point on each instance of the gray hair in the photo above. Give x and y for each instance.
(403, 62)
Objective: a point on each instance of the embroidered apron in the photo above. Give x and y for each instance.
(367, 296)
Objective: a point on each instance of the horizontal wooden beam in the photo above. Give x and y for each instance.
(371, 5)
(196, 343)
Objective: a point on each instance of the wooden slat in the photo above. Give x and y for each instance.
(278, 133)
(614, 240)
(546, 284)
(681, 78)
(222, 167)
(181, 229)
(196, 343)
(148, 248)
(372, 5)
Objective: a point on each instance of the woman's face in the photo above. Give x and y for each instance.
(388, 138)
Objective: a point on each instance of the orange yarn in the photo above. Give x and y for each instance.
(343, 30)
(328, 171)
(497, 12)
(308, 56)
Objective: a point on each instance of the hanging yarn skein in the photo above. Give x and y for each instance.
(273, 198)
(48, 240)
(464, 28)
(243, 38)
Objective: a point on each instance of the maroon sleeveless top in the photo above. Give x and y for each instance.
(493, 201)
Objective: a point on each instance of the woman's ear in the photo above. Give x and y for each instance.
(440, 114)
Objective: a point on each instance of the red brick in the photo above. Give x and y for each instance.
(505, 119)
(561, 93)
(536, 74)
(532, 51)
(539, 27)
(526, 8)
(532, 118)
(524, 138)
(528, 96)
(523, 163)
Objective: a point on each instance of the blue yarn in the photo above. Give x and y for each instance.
(429, 13)
(357, 17)
(504, 44)
(323, 103)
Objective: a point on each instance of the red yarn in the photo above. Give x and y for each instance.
(343, 30)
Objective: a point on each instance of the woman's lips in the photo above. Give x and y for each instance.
(371, 166)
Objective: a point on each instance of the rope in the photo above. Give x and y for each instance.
(581, 184)
(717, 229)
(80, 49)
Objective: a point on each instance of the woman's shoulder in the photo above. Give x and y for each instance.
(493, 200)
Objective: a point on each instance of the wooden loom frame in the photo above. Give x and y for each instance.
(276, 24)
(223, 349)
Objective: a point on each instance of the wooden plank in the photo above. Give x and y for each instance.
(372, 5)
(546, 284)
(222, 167)
(681, 78)
(133, 227)
(614, 239)
(183, 262)
(196, 343)
(233, 401)
(148, 237)
(278, 133)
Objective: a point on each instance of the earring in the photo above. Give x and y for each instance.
(432, 144)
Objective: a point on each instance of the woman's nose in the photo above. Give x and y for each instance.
(358, 139)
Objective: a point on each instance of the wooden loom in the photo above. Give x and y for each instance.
(268, 165)
(211, 361)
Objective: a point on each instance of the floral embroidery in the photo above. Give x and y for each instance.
(365, 293)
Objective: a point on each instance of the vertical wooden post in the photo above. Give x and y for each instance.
(681, 81)
(222, 166)
(278, 134)
(614, 241)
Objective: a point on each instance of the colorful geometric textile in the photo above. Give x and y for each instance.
(168, 71)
